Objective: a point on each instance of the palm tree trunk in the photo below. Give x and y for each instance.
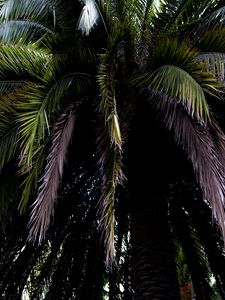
(155, 275)
(152, 162)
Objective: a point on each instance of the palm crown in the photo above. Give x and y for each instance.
(113, 57)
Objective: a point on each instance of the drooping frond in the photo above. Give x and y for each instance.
(171, 82)
(8, 145)
(110, 149)
(22, 30)
(33, 9)
(8, 126)
(30, 177)
(189, 196)
(205, 155)
(22, 62)
(37, 105)
(216, 17)
(210, 39)
(43, 207)
(195, 254)
(32, 120)
(112, 176)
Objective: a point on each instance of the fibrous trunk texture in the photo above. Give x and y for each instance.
(150, 168)
(155, 275)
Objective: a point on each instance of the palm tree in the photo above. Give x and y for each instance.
(142, 81)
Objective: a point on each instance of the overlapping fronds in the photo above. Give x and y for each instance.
(171, 82)
(194, 251)
(205, 155)
(43, 207)
(32, 120)
(22, 30)
(34, 9)
(8, 126)
(169, 43)
(210, 39)
(216, 16)
(35, 109)
(22, 62)
(189, 196)
(31, 177)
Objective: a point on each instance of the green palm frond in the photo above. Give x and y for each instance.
(174, 84)
(9, 146)
(7, 86)
(30, 177)
(173, 51)
(33, 9)
(14, 31)
(112, 175)
(36, 106)
(8, 128)
(43, 207)
(22, 62)
(210, 39)
(108, 100)
(32, 120)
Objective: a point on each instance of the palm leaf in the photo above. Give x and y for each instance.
(43, 207)
(170, 82)
(35, 109)
(8, 146)
(217, 16)
(23, 30)
(194, 251)
(112, 176)
(204, 154)
(22, 62)
(7, 86)
(33, 9)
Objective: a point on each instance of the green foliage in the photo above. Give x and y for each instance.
(169, 56)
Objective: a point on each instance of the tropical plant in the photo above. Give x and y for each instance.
(143, 82)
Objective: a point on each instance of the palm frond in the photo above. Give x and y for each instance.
(110, 149)
(205, 156)
(30, 177)
(33, 9)
(216, 16)
(190, 198)
(194, 251)
(8, 145)
(23, 30)
(36, 106)
(210, 39)
(43, 207)
(171, 82)
(22, 62)
(112, 176)
(7, 86)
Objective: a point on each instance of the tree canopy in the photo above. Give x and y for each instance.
(112, 147)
